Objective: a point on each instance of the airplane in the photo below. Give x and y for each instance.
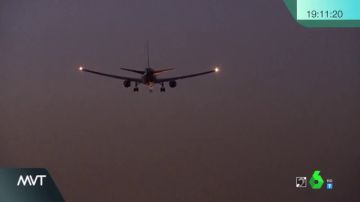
(148, 76)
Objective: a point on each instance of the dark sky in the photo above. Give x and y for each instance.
(286, 102)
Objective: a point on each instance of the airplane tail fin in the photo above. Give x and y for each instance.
(148, 53)
(133, 70)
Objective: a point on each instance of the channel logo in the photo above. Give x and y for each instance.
(316, 181)
(28, 185)
(29, 180)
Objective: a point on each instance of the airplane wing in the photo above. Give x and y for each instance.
(109, 75)
(160, 80)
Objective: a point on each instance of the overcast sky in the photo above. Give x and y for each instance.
(285, 103)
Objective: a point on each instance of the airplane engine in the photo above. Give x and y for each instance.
(172, 84)
(127, 83)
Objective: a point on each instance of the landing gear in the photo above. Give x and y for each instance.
(136, 89)
(162, 89)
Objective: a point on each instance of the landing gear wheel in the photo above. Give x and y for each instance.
(136, 89)
(162, 89)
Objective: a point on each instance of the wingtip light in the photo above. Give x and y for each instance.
(217, 69)
(81, 68)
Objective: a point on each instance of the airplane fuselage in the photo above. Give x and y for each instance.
(149, 77)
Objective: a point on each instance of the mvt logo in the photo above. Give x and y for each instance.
(29, 180)
(28, 185)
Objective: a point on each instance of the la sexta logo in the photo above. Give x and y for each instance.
(316, 181)
(30, 180)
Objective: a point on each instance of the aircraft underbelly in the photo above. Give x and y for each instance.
(149, 80)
